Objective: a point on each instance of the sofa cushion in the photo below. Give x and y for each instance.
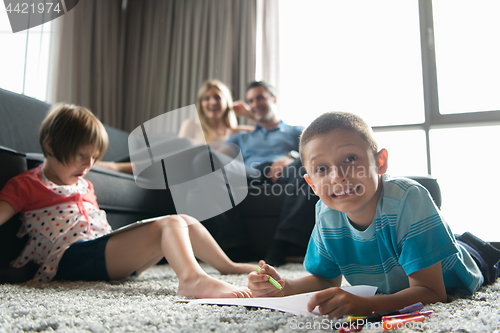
(21, 119)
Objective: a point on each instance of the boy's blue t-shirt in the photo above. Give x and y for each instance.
(407, 234)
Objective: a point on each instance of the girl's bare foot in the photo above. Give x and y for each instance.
(238, 269)
(204, 286)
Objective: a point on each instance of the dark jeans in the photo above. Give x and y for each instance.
(296, 219)
(297, 216)
(484, 254)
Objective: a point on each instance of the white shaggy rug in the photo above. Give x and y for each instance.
(146, 304)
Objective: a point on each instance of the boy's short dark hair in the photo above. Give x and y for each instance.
(331, 121)
(70, 127)
(264, 84)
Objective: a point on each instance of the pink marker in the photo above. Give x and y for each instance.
(407, 315)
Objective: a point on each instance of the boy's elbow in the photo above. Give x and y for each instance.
(432, 296)
(441, 293)
(337, 282)
(443, 297)
(437, 296)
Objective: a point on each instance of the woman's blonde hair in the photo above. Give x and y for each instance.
(229, 118)
(70, 127)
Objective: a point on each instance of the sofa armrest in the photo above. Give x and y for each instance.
(431, 184)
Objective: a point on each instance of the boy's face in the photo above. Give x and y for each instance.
(76, 168)
(344, 173)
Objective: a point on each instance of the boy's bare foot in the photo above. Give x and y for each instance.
(239, 269)
(205, 286)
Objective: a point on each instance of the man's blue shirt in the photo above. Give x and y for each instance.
(262, 145)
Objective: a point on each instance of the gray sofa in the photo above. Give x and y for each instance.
(117, 193)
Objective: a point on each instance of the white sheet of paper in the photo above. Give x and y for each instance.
(296, 304)
(134, 225)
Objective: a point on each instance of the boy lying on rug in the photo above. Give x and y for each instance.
(67, 230)
(376, 230)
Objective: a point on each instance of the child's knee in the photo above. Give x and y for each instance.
(191, 221)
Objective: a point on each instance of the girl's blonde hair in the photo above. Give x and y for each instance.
(229, 118)
(70, 127)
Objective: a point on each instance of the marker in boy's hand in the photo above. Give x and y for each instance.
(273, 281)
(261, 281)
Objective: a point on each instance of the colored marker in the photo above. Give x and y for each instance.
(412, 308)
(356, 317)
(273, 281)
(398, 323)
(407, 315)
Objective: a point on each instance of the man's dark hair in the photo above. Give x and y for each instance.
(267, 86)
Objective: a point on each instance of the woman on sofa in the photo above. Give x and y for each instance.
(217, 120)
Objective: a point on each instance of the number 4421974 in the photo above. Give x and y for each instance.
(25, 8)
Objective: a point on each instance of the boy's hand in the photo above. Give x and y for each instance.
(259, 284)
(336, 303)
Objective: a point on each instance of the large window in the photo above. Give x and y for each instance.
(24, 58)
(425, 74)
(465, 161)
(354, 56)
(467, 55)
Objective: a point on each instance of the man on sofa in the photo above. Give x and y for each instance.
(270, 155)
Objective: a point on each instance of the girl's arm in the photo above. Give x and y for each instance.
(426, 286)
(6, 211)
